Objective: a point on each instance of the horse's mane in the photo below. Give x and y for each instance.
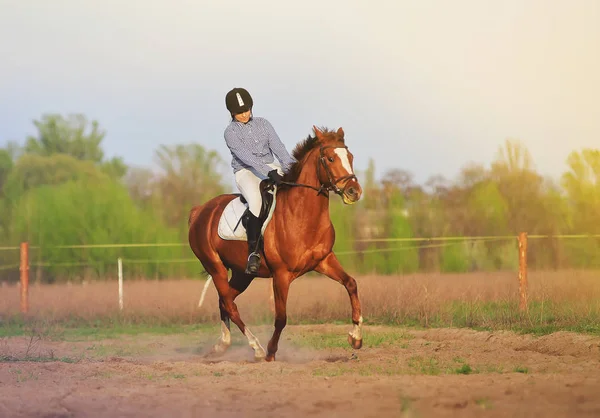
(304, 147)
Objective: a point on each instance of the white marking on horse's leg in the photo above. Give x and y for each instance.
(225, 340)
(208, 280)
(356, 332)
(343, 154)
(259, 352)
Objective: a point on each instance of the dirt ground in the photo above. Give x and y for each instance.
(397, 373)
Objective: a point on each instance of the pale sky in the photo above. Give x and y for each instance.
(425, 86)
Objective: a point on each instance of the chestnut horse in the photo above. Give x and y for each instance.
(299, 237)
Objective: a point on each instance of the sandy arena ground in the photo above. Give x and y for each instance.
(412, 373)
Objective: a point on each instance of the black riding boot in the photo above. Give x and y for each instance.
(253, 233)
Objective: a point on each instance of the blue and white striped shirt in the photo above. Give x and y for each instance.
(254, 144)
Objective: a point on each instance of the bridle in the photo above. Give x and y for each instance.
(331, 185)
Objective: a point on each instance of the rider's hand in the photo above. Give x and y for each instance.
(275, 177)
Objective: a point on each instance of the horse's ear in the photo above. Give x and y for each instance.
(340, 132)
(318, 132)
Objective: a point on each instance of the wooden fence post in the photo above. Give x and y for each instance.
(120, 275)
(523, 271)
(24, 268)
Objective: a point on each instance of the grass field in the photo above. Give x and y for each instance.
(562, 300)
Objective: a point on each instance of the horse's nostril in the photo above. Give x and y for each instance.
(352, 191)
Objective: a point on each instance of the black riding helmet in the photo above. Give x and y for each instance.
(238, 100)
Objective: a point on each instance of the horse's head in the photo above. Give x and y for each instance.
(335, 165)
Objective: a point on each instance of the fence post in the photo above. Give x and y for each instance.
(24, 269)
(120, 273)
(523, 271)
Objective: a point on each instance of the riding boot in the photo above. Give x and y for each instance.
(253, 233)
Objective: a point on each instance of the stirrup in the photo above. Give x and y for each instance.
(253, 263)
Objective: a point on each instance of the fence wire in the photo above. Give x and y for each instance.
(421, 243)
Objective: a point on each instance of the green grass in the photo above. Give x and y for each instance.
(541, 319)
(427, 365)
(82, 330)
(521, 369)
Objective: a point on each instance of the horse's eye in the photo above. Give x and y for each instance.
(331, 159)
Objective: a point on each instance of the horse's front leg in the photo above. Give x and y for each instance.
(281, 286)
(331, 267)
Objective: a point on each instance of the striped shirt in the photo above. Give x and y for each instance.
(254, 144)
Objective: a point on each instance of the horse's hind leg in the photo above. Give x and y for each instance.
(238, 284)
(225, 340)
(331, 267)
(228, 291)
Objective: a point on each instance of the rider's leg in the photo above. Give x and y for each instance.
(248, 184)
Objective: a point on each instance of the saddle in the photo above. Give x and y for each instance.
(237, 212)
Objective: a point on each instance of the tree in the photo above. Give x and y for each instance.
(487, 209)
(582, 185)
(190, 176)
(520, 186)
(114, 168)
(74, 136)
(84, 212)
(472, 174)
(140, 182)
(59, 135)
(402, 180)
(6, 165)
(406, 259)
(32, 171)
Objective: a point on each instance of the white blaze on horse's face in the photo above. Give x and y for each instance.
(342, 153)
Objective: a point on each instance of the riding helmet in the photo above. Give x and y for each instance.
(238, 100)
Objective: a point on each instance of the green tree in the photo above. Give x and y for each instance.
(80, 212)
(397, 225)
(190, 175)
(75, 136)
(343, 218)
(59, 135)
(488, 209)
(32, 171)
(140, 182)
(582, 185)
(520, 186)
(6, 165)
(370, 219)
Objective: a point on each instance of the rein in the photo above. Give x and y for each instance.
(332, 183)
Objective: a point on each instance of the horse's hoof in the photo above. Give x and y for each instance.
(270, 357)
(219, 349)
(356, 344)
(259, 355)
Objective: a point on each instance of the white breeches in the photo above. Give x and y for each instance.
(248, 183)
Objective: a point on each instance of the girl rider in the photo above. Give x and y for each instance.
(254, 144)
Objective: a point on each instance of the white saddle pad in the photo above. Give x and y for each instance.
(231, 217)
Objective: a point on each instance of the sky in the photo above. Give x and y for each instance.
(425, 86)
